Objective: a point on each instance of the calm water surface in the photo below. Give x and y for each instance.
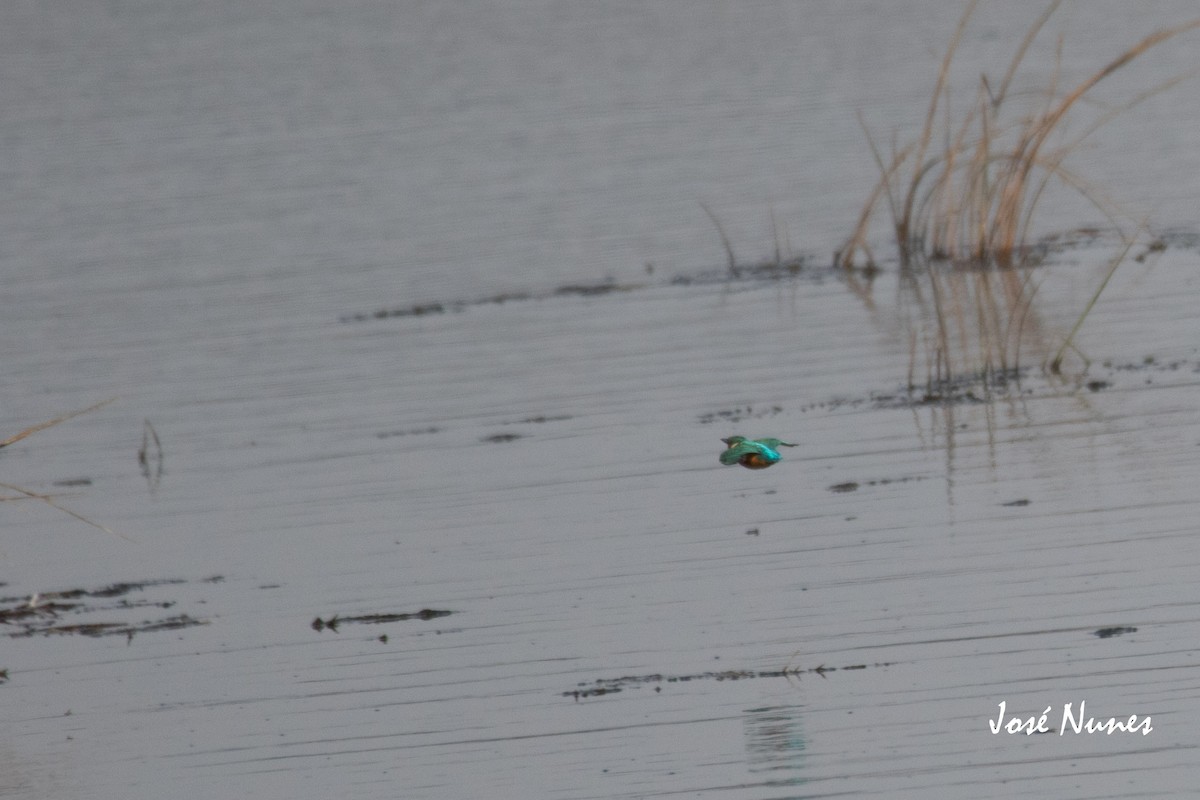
(197, 196)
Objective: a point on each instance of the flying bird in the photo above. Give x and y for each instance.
(752, 453)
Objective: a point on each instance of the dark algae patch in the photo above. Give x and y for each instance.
(71, 612)
(335, 621)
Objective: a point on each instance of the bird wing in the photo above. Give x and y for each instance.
(735, 454)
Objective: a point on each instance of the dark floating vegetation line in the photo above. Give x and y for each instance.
(112, 590)
(603, 686)
(333, 622)
(42, 613)
(975, 389)
(410, 432)
(769, 271)
(763, 271)
(538, 420)
(854, 486)
(97, 629)
(732, 415)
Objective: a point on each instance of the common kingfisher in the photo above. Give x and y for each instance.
(752, 453)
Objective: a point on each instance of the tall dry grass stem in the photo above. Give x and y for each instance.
(733, 268)
(150, 456)
(1055, 364)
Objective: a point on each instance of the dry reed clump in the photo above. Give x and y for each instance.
(974, 201)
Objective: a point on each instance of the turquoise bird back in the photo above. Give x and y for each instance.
(752, 453)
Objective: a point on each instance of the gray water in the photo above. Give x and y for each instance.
(198, 197)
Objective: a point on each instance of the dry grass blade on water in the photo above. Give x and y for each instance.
(45, 498)
(1055, 364)
(41, 426)
(733, 268)
(49, 500)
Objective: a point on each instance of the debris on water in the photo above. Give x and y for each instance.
(538, 420)
(853, 486)
(739, 414)
(417, 310)
(1157, 246)
(42, 613)
(96, 629)
(69, 482)
(590, 290)
(500, 438)
(410, 432)
(1119, 630)
(333, 622)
